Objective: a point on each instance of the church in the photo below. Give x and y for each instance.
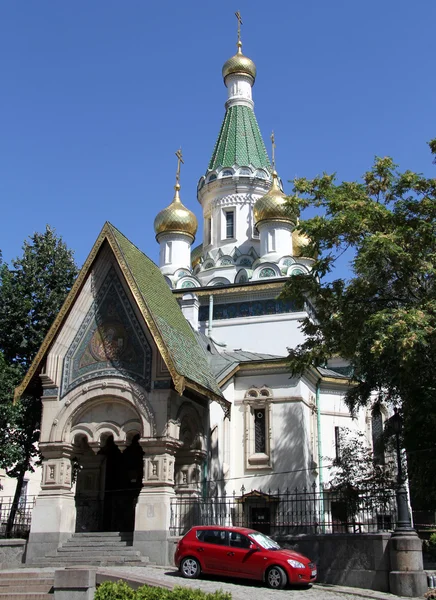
(165, 386)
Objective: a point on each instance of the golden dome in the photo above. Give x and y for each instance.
(176, 218)
(299, 242)
(273, 206)
(239, 63)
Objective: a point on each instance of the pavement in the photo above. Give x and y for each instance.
(241, 589)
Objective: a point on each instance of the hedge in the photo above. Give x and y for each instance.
(110, 590)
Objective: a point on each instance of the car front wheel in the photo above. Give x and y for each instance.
(190, 568)
(276, 578)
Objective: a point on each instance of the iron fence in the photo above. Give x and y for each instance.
(290, 512)
(23, 516)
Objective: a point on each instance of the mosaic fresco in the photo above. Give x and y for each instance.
(253, 308)
(110, 341)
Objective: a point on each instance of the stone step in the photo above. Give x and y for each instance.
(102, 534)
(27, 588)
(11, 581)
(83, 560)
(24, 574)
(96, 544)
(24, 596)
(65, 551)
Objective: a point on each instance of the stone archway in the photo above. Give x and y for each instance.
(108, 464)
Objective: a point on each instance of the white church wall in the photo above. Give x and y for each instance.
(8, 484)
(269, 334)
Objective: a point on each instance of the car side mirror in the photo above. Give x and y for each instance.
(253, 547)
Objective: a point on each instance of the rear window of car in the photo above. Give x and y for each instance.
(212, 536)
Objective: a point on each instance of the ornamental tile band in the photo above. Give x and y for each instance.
(251, 308)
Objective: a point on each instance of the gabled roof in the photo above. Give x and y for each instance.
(240, 141)
(174, 337)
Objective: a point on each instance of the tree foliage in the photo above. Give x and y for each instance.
(382, 318)
(32, 291)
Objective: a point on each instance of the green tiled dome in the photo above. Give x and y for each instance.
(239, 142)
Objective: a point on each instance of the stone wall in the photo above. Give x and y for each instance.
(12, 553)
(345, 559)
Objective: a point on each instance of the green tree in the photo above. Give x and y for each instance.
(382, 317)
(358, 478)
(32, 291)
(10, 376)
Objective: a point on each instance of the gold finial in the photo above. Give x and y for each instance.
(179, 160)
(238, 16)
(273, 144)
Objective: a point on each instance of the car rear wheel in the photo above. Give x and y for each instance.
(276, 578)
(190, 568)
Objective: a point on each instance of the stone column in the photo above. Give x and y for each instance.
(153, 509)
(407, 577)
(54, 513)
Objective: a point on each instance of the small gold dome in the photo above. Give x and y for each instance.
(273, 206)
(299, 242)
(239, 63)
(176, 218)
(196, 255)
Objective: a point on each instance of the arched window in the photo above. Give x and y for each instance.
(377, 435)
(257, 414)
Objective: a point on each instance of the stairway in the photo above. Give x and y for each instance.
(26, 585)
(94, 549)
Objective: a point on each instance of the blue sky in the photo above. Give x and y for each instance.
(97, 96)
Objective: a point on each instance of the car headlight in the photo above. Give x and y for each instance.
(296, 564)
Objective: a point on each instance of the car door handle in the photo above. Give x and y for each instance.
(230, 554)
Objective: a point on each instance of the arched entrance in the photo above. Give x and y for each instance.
(108, 485)
(107, 461)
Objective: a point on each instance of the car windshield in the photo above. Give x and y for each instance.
(263, 540)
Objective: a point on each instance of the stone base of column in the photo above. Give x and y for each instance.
(152, 524)
(412, 584)
(53, 521)
(407, 577)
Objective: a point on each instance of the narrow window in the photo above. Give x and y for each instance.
(271, 241)
(208, 230)
(377, 436)
(255, 232)
(230, 224)
(338, 444)
(168, 252)
(259, 431)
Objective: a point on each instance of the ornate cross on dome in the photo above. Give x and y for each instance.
(179, 160)
(273, 144)
(238, 16)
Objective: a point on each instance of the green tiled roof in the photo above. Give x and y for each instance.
(188, 356)
(239, 141)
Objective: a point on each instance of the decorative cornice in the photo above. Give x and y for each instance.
(235, 288)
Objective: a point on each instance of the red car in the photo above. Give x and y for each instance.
(241, 552)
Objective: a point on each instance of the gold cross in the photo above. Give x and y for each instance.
(179, 160)
(273, 143)
(238, 16)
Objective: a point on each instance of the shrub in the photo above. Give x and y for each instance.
(147, 592)
(119, 590)
(111, 590)
(432, 545)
